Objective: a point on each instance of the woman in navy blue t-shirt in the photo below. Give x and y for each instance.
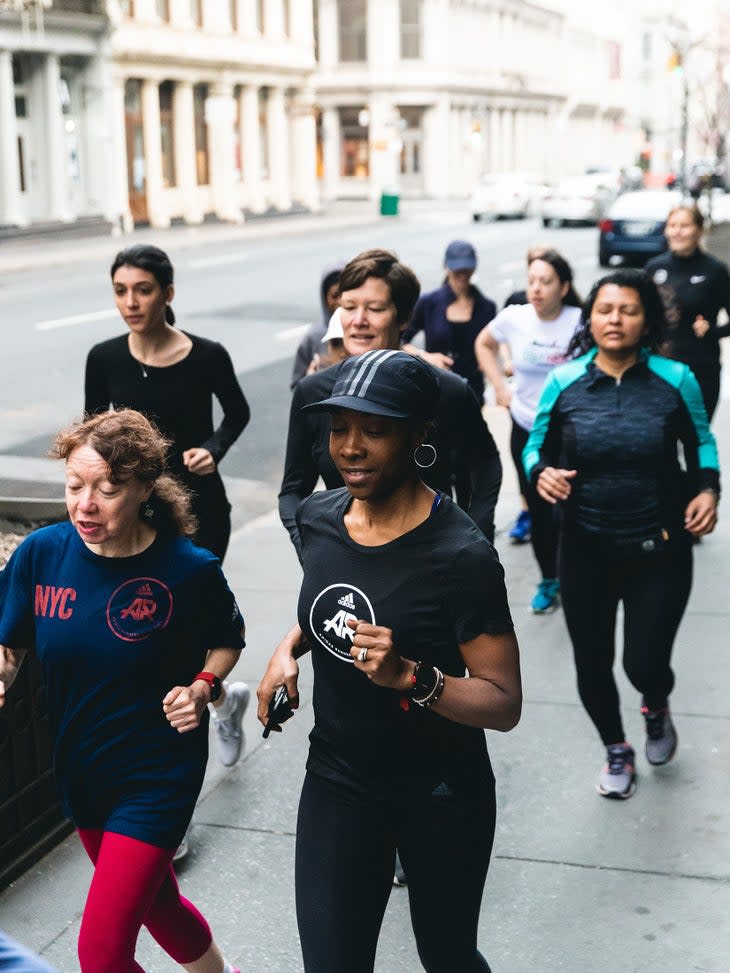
(134, 628)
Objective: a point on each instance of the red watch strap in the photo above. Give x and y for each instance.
(208, 677)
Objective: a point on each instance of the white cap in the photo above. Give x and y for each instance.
(334, 328)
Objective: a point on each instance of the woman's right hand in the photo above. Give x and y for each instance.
(282, 670)
(438, 359)
(554, 484)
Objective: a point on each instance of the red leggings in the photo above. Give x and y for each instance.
(134, 885)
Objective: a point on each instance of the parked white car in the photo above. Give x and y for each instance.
(506, 194)
(582, 199)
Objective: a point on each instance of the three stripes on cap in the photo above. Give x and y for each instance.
(365, 372)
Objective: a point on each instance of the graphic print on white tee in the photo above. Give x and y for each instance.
(330, 612)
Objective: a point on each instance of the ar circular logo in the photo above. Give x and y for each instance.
(138, 608)
(330, 613)
(661, 276)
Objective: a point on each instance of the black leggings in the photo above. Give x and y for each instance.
(654, 588)
(344, 875)
(211, 507)
(708, 377)
(544, 531)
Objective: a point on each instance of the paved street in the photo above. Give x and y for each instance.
(577, 883)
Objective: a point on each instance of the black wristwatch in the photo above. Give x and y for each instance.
(214, 683)
(425, 677)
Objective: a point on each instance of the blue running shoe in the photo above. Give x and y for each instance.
(522, 529)
(547, 597)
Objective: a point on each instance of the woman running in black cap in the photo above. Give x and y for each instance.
(402, 598)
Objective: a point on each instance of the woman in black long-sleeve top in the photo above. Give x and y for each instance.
(378, 294)
(694, 287)
(172, 377)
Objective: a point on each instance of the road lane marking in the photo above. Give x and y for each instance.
(67, 322)
(220, 261)
(297, 332)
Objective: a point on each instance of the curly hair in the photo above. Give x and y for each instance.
(384, 264)
(132, 446)
(649, 298)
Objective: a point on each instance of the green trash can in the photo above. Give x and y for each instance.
(389, 199)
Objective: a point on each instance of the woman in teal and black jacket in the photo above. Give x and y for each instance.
(604, 447)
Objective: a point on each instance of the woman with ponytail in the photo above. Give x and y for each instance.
(172, 377)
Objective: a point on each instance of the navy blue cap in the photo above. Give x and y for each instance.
(460, 255)
(383, 383)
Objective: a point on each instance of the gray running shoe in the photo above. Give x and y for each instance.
(618, 778)
(661, 737)
(229, 732)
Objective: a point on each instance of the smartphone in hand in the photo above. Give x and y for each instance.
(279, 710)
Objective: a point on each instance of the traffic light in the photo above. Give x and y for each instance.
(674, 63)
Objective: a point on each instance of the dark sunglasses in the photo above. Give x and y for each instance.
(279, 710)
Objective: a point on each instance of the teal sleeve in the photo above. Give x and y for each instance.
(531, 453)
(689, 389)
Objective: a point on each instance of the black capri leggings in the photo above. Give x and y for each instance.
(544, 532)
(654, 588)
(345, 848)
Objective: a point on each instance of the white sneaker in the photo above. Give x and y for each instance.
(229, 732)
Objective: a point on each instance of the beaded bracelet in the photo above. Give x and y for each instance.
(433, 695)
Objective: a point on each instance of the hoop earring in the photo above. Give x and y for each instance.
(433, 458)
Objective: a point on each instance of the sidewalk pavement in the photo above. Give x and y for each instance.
(577, 883)
(31, 253)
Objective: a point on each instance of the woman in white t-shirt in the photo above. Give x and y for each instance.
(537, 335)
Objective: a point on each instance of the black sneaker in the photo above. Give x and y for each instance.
(661, 737)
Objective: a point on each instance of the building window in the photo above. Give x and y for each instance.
(196, 12)
(352, 26)
(264, 132)
(233, 14)
(410, 29)
(260, 16)
(200, 95)
(167, 134)
(355, 156)
(162, 9)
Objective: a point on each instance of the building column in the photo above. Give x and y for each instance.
(304, 150)
(278, 149)
(184, 148)
(56, 163)
(248, 112)
(120, 192)
(99, 122)
(436, 148)
(495, 156)
(156, 210)
(220, 111)
(10, 208)
(331, 150)
(327, 35)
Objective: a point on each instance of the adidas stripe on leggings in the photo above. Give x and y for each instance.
(345, 849)
(654, 588)
(134, 885)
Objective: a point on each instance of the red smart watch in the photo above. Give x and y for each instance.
(214, 683)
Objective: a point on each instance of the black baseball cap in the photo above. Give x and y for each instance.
(460, 255)
(383, 383)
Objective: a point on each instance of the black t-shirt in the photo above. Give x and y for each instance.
(178, 398)
(698, 284)
(435, 587)
(467, 464)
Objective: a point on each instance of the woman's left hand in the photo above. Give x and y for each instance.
(199, 461)
(700, 516)
(382, 663)
(700, 326)
(184, 705)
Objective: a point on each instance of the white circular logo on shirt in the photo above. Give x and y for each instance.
(330, 612)
(661, 276)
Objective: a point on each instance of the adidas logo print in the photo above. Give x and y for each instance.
(144, 590)
(346, 601)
